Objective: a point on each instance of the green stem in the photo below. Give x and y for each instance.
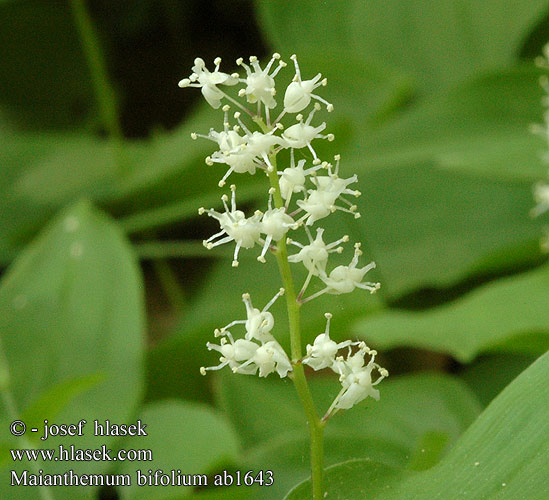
(104, 93)
(316, 425)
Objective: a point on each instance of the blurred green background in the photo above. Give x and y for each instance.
(108, 298)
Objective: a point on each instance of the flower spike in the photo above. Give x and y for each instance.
(299, 196)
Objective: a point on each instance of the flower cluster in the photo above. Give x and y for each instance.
(258, 350)
(355, 376)
(541, 189)
(302, 193)
(320, 188)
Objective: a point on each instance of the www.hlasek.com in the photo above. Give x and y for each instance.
(74, 454)
(71, 453)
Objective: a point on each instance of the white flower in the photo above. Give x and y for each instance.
(243, 154)
(258, 144)
(299, 93)
(541, 197)
(317, 205)
(356, 379)
(227, 140)
(315, 255)
(208, 81)
(258, 324)
(322, 202)
(334, 184)
(292, 179)
(324, 350)
(246, 356)
(230, 149)
(240, 162)
(303, 133)
(344, 279)
(260, 86)
(234, 224)
(233, 354)
(268, 358)
(274, 224)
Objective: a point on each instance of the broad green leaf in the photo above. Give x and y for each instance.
(438, 42)
(188, 437)
(481, 127)
(397, 430)
(287, 455)
(44, 79)
(443, 42)
(354, 480)
(487, 319)
(71, 306)
(428, 228)
(489, 375)
(53, 402)
(43, 173)
(502, 456)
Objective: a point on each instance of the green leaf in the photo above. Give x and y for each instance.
(71, 306)
(354, 480)
(44, 172)
(487, 319)
(502, 456)
(428, 228)
(396, 430)
(52, 402)
(439, 43)
(183, 436)
(481, 127)
(490, 374)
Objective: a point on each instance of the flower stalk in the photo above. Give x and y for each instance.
(315, 424)
(321, 192)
